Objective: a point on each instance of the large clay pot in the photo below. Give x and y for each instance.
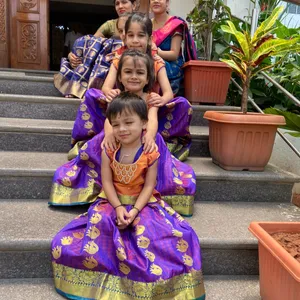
(240, 141)
(279, 272)
(206, 81)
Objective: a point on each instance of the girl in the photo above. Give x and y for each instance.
(168, 34)
(138, 35)
(130, 244)
(79, 181)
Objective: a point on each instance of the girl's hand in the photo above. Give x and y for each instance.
(123, 217)
(132, 215)
(75, 61)
(109, 142)
(156, 100)
(149, 143)
(112, 94)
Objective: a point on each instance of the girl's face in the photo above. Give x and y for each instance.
(134, 75)
(121, 27)
(136, 38)
(124, 6)
(128, 127)
(159, 6)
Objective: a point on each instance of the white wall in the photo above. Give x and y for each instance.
(239, 8)
(181, 8)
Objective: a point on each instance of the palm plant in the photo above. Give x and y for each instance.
(247, 58)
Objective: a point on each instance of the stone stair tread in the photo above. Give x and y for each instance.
(202, 107)
(218, 224)
(18, 76)
(27, 71)
(217, 288)
(62, 126)
(36, 126)
(45, 163)
(38, 99)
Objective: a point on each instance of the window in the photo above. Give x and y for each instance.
(293, 9)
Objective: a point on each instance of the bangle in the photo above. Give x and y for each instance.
(136, 209)
(118, 206)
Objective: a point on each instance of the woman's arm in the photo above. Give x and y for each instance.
(173, 53)
(146, 193)
(104, 30)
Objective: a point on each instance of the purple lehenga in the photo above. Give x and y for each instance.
(79, 180)
(157, 257)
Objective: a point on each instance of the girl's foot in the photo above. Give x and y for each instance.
(69, 96)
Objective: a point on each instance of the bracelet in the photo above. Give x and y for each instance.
(136, 209)
(118, 206)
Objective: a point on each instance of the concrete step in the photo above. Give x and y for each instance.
(38, 107)
(25, 72)
(60, 108)
(55, 136)
(27, 84)
(28, 175)
(217, 288)
(199, 111)
(28, 226)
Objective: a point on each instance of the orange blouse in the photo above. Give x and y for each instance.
(129, 179)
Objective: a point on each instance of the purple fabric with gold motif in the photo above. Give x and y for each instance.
(157, 257)
(79, 180)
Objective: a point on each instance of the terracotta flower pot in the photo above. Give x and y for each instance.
(206, 81)
(279, 272)
(240, 141)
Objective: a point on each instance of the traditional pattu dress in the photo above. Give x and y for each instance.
(157, 257)
(79, 180)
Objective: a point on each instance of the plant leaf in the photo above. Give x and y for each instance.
(292, 120)
(267, 24)
(241, 38)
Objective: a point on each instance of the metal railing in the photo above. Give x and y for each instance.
(288, 94)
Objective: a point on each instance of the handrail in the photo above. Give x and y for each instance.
(258, 109)
(287, 93)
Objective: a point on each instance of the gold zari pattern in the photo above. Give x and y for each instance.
(97, 285)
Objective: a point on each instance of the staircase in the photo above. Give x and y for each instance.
(35, 129)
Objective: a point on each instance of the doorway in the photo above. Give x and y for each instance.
(87, 18)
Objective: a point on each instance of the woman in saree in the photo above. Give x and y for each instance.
(168, 34)
(88, 63)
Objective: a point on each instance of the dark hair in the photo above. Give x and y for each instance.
(129, 102)
(145, 23)
(132, 1)
(136, 54)
(122, 16)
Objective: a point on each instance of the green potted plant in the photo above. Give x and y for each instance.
(279, 270)
(207, 81)
(244, 141)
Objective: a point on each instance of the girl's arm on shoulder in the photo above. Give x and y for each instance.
(173, 53)
(109, 83)
(107, 181)
(109, 141)
(162, 78)
(152, 127)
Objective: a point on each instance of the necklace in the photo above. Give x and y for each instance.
(128, 155)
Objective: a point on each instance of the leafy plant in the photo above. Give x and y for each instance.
(292, 120)
(206, 19)
(248, 59)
